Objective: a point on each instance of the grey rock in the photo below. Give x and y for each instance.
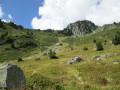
(11, 76)
(117, 54)
(74, 60)
(71, 48)
(59, 44)
(101, 57)
(80, 28)
(104, 56)
(116, 63)
(44, 54)
(108, 56)
(95, 49)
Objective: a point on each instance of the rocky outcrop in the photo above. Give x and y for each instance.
(74, 60)
(11, 77)
(106, 26)
(80, 28)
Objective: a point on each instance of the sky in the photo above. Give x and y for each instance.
(57, 14)
(20, 12)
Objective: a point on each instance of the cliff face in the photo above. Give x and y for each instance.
(80, 28)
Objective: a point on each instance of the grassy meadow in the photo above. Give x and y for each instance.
(89, 74)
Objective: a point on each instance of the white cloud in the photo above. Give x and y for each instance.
(57, 14)
(107, 12)
(10, 16)
(1, 13)
(4, 20)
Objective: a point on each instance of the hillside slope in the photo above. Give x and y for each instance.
(17, 42)
(98, 70)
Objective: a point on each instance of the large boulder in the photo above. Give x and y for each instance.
(58, 44)
(74, 60)
(11, 77)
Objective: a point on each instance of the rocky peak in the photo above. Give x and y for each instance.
(80, 28)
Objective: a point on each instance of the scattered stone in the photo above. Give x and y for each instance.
(98, 59)
(101, 57)
(71, 48)
(104, 59)
(116, 63)
(108, 56)
(74, 60)
(61, 62)
(95, 49)
(117, 54)
(44, 54)
(11, 77)
(110, 42)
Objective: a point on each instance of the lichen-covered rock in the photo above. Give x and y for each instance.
(74, 60)
(11, 76)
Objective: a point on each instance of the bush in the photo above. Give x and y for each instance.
(37, 59)
(52, 55)
(94, 41)
(99, 46)
(85, 48)
(20, 59)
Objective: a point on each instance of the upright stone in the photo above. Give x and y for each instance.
(11, 77)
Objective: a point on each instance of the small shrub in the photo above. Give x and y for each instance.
(37, 59)
(105, 41)
(87, 87)
(20, 59)
(85, 48)
(99, 46)
(52, 55)
(94, 41)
